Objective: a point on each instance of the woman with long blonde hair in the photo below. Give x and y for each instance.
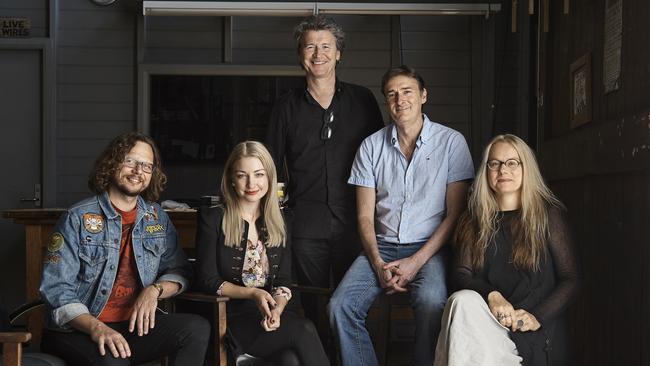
(243, 253)
(514, 267)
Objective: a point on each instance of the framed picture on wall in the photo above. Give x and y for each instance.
(580, 91)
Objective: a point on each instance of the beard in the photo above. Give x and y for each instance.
(121, 184)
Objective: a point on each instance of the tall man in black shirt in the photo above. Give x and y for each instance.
(317, 130)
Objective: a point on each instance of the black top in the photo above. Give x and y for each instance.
(319, 169)
(217, 262)
(545, 293)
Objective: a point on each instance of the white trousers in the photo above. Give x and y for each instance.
(470, 335)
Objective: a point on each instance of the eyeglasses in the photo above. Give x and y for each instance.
(326, 130)
(132, 163)
(511, 164)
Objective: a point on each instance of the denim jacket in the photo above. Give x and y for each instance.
(82, 256)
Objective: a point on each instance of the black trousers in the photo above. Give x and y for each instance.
(182, 337)
(323, 263)
(296, 334)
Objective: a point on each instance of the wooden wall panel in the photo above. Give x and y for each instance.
(86, 56)
(83, 148)
(630, 224)
(183, 40)
(100, 38)
(439, 59)
(439, 48)
(94, 74)
(95, 112)
(437, 23)
(603, 169)
(77, 166)
(24, 4)
(95, 19)
(116, 93)
(609, 218)
(360, 40)
(76, 187)
(447, 114)
(449, 41)
(368, 76)
(210, 39)
(78, 129)
(95, 87)
(265, 24)
(188, 56)
(583, 32)
(175, 24)
(448, 78)
(641, 236)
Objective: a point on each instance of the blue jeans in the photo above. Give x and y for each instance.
(349, 305)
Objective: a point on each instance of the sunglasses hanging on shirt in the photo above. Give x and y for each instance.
(326, 129)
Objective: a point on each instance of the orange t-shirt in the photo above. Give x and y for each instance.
(127, 281)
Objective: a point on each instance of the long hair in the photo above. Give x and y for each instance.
(478, 225)
(110, 161)
(232, 223)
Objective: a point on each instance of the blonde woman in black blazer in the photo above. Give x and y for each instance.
(243, 252)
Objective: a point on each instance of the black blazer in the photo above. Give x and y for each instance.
(217, 262)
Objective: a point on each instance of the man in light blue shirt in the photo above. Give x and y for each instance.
(411, 180)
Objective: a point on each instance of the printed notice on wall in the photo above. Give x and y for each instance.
(612, 49)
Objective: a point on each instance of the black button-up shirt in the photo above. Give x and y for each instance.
(319, 169)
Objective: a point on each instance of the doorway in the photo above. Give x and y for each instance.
(20, 159)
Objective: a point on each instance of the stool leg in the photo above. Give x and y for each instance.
(383, 329)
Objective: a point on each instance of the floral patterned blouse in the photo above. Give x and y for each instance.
(255, 270)
(256, 265)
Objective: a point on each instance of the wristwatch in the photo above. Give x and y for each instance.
(158, 287)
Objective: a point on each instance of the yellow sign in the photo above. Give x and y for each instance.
(15, 27)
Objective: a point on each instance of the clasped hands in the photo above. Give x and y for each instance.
(517, 320)
(396, 275)
(269, 308)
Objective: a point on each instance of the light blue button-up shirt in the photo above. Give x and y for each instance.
(410, 196)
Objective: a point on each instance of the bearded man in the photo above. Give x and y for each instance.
(110, 259)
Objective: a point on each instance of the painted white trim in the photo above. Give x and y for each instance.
(408, 9)
(221, 8)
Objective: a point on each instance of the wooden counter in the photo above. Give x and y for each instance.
(39, 224)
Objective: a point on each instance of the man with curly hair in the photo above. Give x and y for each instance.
(110, 259)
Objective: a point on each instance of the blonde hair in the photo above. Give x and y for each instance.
(478, 225)
(232, 224)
